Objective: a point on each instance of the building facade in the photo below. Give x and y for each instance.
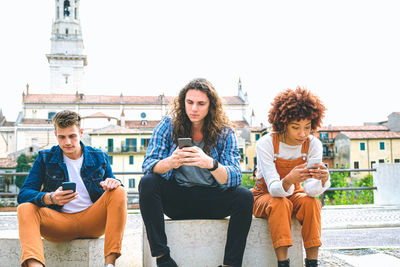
(363, 150)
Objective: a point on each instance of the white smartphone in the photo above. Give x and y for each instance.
(311, 162)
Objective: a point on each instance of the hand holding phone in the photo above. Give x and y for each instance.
(312, 162)
(185, 142)
(68, 186)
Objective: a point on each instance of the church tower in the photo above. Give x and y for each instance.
(66, 58)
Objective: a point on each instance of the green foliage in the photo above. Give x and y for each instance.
(247, 180)
(24, 164)
(342, 179)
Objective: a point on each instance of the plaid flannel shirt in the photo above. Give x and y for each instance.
(226, 151)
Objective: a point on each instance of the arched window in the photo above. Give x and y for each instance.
(67, 8)
(66, 31)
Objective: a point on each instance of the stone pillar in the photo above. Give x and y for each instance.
(387, 181)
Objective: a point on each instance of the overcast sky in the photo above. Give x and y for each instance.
(347, 52)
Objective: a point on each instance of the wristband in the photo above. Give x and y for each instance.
(51, 199)
(215, 165)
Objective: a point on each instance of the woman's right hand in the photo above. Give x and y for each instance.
(297, 175)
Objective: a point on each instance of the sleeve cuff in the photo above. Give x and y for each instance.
(277, 190)
(314, 188)
(39, 199)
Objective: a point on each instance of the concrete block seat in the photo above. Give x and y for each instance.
(79, 252)
(201, 243)
(193, 243)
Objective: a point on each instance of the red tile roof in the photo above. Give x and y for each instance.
(98, 115)
(6, 163)
(372, 135)
(138, 124)
(353, 128)
(258, 128)
(9, 123)
(114, 129)
(36, 121)
(240, 124)
(109, 99)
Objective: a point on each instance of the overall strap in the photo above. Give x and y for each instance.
(275, 141)
(305, 147)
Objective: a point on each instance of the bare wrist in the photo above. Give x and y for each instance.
(46, 199)
(286, 183)
(211, 163)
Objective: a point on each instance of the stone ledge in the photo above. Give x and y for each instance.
(75, 253)
(191, 240)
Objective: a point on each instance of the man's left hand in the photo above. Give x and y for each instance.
(195, 156)
(110, 184)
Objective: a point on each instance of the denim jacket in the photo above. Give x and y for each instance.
(49, 171)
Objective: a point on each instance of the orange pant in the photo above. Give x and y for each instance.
(107, 215)
(279, 213)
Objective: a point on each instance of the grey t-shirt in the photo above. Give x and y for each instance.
(194, 176)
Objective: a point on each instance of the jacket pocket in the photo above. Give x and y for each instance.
(54, 178)
(96, 175)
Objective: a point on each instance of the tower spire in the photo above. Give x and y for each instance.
(66, 58)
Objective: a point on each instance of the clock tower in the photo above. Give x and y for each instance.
(66, 58)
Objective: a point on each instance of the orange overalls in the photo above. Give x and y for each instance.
(279, 210)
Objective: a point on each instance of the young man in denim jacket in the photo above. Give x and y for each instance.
(98, 206)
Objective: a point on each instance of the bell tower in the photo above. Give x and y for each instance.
(66, 58)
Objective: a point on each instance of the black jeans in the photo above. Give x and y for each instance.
(158, 196)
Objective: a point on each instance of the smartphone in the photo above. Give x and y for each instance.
(68, 186)
(184, 142)
(311, 162)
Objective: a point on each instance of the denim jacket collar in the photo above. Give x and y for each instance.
(87, 158)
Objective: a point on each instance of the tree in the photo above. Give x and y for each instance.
(23, 165)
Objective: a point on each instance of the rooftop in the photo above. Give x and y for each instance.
(353, 128)
(115, 129)
(109, 99)
(372, 134)
(7, 163)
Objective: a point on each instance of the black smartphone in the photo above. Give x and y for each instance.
(184, 142)
(68, 186)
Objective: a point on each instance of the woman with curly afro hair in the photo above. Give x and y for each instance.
(282, 168)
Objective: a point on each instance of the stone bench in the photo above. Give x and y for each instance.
(79, 252)
(75, 253)
(193, 243)
(199, 243)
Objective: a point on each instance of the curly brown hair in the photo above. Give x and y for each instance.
(215, 121)
(293, 105)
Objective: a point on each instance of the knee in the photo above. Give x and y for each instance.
(148, 183)
(244, 197)
(26, 210)
(118, 193)
(281, 203)
(312, 203)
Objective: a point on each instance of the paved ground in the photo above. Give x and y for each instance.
(360, 257)
(354, 236)
(360, 216)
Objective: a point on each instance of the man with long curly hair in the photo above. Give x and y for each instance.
(197, 182)
(281, 162)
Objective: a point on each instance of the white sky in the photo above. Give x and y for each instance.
(345, 51)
